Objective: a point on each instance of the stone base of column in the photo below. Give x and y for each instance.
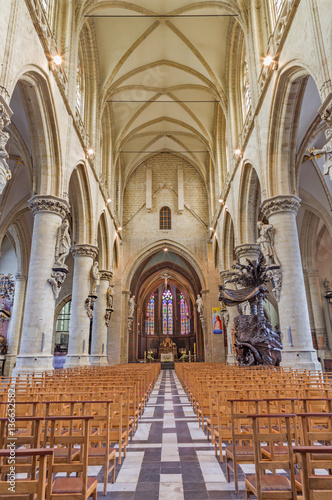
(74, 360)
(301, 359)
(30, 363)
(101, 360)
(9, 364)
(231, 359)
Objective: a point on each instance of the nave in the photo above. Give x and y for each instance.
(170, 457)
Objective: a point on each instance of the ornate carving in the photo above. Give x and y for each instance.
(110, 297)
(84, 251)
(130, 323)
(225, 316)
(280, 203)
(58, 276)
(275, 275)
(21, 277)
(63, 244)
(89, 305)
(5, 173)
(51, 204)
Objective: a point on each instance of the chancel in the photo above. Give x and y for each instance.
(165, 241)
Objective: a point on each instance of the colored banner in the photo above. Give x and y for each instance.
(216, 320)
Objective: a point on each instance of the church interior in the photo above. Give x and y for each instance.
(165, 247)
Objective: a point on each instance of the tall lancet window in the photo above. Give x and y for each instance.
(184, 312)
(246, 88)
(150, 317)
(167, 312)
(79, 88)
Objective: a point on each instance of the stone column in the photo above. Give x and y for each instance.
(317, 308)
(114, 338)
(232, 312)
(246, 251)
(79, 326)
(15, 326)
(126, 327)
(99, 329)
(37, 331)
(293, 309)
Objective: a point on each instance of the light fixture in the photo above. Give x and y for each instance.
(90, 151)
(221, 200)
(267, 60)
(237, 151)
(211, 229)
(119, 228)
(57, 60)
(108, 200)
(165, 249)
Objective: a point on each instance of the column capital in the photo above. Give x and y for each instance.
(50, 204)
(21, 277)
(106, 275)
(84, 251)
(311, 271)
(281, 203)
(247, 249)
(225, 275)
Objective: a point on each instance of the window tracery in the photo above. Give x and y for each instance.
(165, 219)
(167, 305)
(184, 314)
(150, 317)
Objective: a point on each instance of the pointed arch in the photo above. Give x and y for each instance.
(81, 206)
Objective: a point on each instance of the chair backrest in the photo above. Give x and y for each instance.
(314, 487)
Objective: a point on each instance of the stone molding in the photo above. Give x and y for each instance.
(106, 275)
(84, 250)
(279, 204)
(245, 249)
(311, 272)
(21, 277)
(50, 204)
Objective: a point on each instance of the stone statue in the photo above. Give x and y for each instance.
(63, 244)
(266, 243)
(56, 280)
(200, 306)
(327, 285)
(327, 152)
(95, 276)
(225, 316)
(110, 297)
(131, 303)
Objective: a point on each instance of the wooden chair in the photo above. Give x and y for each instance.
(271, 486)
(71, 488)
(32, 487)
(314, 486)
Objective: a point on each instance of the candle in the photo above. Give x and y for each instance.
(189, 357)
(194, 348)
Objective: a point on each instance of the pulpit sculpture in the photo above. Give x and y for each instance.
(255, 341)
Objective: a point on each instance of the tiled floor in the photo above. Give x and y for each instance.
(169, 457)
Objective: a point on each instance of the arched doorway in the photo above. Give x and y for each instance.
(165, 286)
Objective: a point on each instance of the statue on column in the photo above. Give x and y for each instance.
(63, 244)
(131, 304)
(5, 173)
(110, 297)
(266, 243)
(95, 276)
(327, 152)
(200, 306)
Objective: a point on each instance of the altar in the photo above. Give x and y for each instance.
(168, 350)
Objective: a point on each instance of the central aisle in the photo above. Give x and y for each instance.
(170, 457)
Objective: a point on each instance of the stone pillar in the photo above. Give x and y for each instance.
(293, 309)
(79, 326)
(114, 337)
(126, 327)
(232, 312)
(15, 326)
(37, 331)
(317, 308)
(99, 329)
(246, 251)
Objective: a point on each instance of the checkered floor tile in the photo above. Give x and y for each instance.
(169, 457)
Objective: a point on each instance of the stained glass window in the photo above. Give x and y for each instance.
(150, 316)
(184, 314)
(167, 312)
(165, 219)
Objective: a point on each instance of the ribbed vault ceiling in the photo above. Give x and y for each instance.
(152, 65)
